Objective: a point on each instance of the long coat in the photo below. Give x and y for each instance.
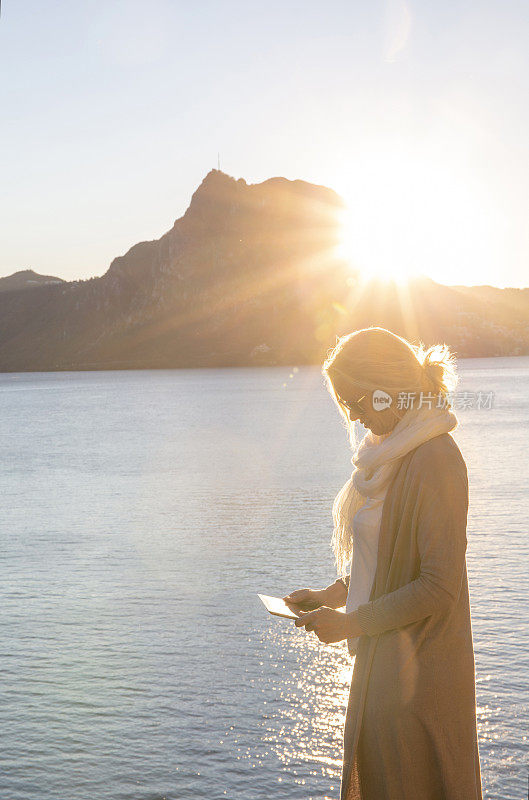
(410, 729)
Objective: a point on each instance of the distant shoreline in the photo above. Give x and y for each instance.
(207, 367)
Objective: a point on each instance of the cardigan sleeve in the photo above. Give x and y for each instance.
(442, 542)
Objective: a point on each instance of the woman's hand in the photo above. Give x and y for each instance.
(306, 599)
(329, 625)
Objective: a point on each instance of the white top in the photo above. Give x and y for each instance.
(366, 530)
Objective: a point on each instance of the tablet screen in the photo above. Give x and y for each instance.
(278, 607)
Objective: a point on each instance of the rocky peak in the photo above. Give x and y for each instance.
(26, 279)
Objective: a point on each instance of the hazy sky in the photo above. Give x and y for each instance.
(417, 112)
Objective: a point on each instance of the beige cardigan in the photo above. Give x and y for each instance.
(410, 730)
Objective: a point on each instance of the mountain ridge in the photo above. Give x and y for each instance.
(249, 274)
(26, 279)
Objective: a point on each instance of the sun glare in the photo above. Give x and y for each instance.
(371, 251)
(409, 216)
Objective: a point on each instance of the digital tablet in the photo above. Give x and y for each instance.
(278, 607)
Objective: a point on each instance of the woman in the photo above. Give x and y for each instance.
(400, 521)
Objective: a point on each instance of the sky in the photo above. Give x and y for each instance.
(416, 113)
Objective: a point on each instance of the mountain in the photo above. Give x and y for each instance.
(248, 275)
(25, 279)
(476, 321)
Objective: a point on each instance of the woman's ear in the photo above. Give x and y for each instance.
(394, 407)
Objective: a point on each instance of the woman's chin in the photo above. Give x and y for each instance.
(369, 426)
(376, 428)
(372, 428)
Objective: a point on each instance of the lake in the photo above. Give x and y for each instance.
(141, 513)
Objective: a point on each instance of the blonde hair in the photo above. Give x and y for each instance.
(375, 358)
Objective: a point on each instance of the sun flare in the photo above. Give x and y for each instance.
(406, 216)
(370, 252)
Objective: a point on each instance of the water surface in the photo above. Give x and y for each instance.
(141, 513)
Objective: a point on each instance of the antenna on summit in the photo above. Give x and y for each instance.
(218, 161)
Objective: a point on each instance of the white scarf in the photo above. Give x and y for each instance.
(377, 458)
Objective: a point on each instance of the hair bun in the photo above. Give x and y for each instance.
(432, 368)
(438, 365)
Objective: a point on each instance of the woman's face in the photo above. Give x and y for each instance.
(365, 406)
